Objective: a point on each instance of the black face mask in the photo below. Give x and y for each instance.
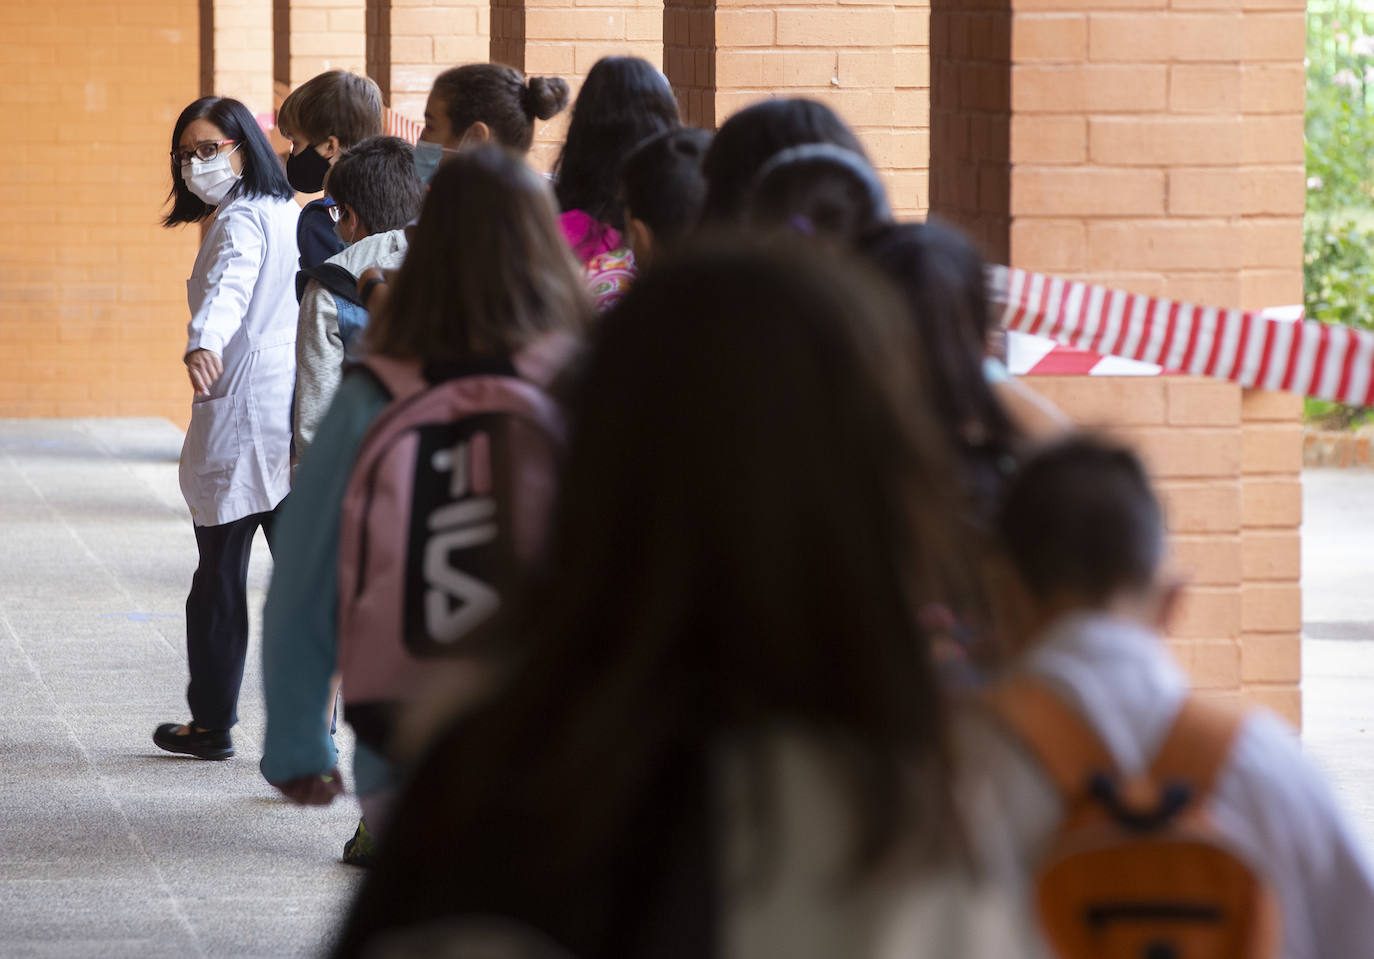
(305, 170)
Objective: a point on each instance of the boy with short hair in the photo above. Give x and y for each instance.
(1082, 527)
(375, 192)
(323, 117)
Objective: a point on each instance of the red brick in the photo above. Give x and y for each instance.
(1212, 506)
(1205, 559)
(1271, 607)
(1105, 401)
(1087, 191)
(1283, 699)
(1207, 612)
(1205, 88)
(1197, 401)
(1175, 453)
(1049, 37)
(1210, 663)
(1272, 447)
(1272, 555)
(1265, 658)
(1049, 139)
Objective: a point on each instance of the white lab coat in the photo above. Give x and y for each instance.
(236, 458)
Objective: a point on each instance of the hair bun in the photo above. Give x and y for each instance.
(544, 97)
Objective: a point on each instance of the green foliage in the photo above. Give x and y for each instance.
(1338, 234)
(1338, 271)
(1340, 91)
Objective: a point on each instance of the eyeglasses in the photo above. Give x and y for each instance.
(203, 150)
(335, 212)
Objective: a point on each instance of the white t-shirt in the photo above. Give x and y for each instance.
(1269, 801)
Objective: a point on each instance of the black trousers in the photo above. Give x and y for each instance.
(217, 619)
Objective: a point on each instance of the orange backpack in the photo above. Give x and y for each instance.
(1136, 870)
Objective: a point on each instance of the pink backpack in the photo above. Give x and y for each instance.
(447, 503)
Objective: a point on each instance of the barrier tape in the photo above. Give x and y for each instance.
(1252, 348)
(401, 126)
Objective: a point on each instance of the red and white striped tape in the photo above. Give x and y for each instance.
(398, 125)
(1252, 348)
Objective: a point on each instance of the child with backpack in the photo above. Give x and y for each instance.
(662, 186)
(322, 117)
(375, 193)
(622, 101)
(1144, 821)
(424, 494)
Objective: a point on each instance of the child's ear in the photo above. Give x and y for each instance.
(330, 149)
(1168, 594)
(641, 239)
(475, 135)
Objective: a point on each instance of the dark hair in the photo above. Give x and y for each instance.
(754, 135)
(263, 174)
(376, 177)
(487, 270)
(820, 188)
(942, 277)
(1081, 522)
(334, 103)
(623, 101)
(500, 97)
(751, 511)
(662, 182)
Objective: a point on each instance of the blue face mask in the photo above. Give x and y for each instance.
(428, 156)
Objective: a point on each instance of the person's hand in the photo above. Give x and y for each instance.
(317, 789)
(374, 286)
(204, 367)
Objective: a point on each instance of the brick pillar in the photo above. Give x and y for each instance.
(312, 36)
(563, 38)
(409, 43)
(689, 43)
(236, 51)
(970, 118)
(909, 159)
(868, 60)
(1160, 150)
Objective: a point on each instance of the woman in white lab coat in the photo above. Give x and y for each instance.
(240, 357)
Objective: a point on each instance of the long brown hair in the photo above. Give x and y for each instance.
(754, 505)
(487, 271)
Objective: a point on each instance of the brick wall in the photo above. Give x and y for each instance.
(564, 38)
(312, 36)
(869, 60)
(237, 55)
(413, 41)
(92, 290)
(1156, 146)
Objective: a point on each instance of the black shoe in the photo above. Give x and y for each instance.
(201, 743)
(359, 850)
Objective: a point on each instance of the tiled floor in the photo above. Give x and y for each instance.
(111, 847)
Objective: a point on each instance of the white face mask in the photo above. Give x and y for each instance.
(211, 179)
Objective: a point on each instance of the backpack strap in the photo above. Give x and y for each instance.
(333, 278)
(1198, 745)
(1062, 742)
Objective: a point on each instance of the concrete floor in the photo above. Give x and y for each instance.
(113, 848)
(1338, 634)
